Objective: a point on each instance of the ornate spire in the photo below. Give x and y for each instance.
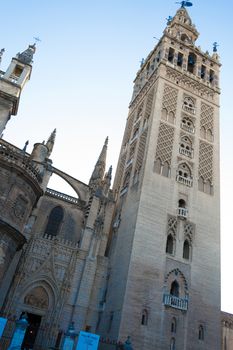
(181, 26)
(26, 56)
(99, 170)
(51, 141)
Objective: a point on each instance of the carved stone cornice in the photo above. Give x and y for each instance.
(191, 84)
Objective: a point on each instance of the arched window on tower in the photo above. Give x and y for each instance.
(186, 250)
(158, 166)
(170, 244)
(187, 124)
(171, 54)
(54, 221)
(201, 333)
(175, 289)
(166, 169)
(173, 344)
(173, 325)
(186, 147)
(192, 58)
(144, 320)
(201, 184)
(184, 175)
(189, 105)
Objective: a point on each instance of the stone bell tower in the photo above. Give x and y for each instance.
(164, 287)
(12, 82)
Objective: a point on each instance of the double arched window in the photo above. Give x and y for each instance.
(54, 221)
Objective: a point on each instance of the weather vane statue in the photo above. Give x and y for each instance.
(215, 47)
(185, 3)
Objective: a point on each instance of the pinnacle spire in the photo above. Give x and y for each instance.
(99, 170)
(51, 141)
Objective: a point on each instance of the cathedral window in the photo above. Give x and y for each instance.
(171, 53)
(170, 244)
(173, 325)
(180, 58)
(189, 105)
(186, 250)
(191, 62)
(54, 221)
(175, 289)
(201, 332)
(187, 124)
(144, 320)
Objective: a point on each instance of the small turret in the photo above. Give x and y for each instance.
(99, 170)
(12, 83)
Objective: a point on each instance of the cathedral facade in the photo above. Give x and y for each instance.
(140, 260)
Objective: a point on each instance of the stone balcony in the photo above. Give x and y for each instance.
(187, 181)
(182, 213)
(187, 128)
(175, 302)
(186, 152)
(15, 157)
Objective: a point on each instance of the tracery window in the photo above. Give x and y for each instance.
(54, 221)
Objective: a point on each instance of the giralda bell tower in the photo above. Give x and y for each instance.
(164, 285)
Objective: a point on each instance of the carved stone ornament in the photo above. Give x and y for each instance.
(20, 207)
(37, 297)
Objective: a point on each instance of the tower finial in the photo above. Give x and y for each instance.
(185, 3)
(51, 141)
(215, 47)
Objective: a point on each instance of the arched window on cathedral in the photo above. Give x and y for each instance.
(144, 320)
(201, 334)
(186, 250)
(170, 244)
(173, 325)
(175, 289)
(54, 221)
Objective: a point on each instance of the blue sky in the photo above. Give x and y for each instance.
(82, 80)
